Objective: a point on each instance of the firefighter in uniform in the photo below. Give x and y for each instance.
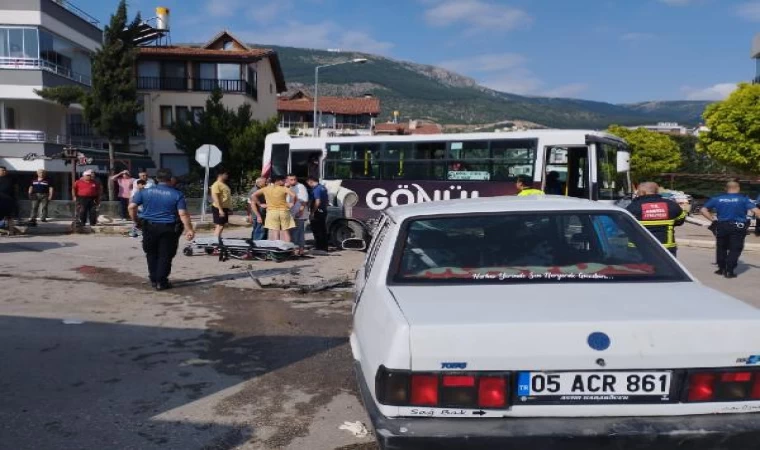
(730, 226)
(659, 215)
(163, 218)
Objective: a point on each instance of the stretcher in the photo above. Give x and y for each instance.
(243, 249)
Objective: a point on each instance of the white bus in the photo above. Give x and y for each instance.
(387, 171)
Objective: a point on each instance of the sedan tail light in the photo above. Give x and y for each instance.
(723, 386)
(443, 390)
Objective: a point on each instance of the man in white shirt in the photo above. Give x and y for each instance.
(143, 175)
(300, 212)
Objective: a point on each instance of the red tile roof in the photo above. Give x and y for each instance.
(254, 54)
(404, 128)
(333, 105)
(198, 53)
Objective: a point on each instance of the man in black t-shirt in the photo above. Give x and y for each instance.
(40, 193)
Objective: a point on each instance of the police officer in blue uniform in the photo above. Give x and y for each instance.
(163, 218)
(730, 226)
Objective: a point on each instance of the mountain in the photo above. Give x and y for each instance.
(427, 92)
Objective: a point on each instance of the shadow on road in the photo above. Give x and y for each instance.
(100, 385)
(14, 246)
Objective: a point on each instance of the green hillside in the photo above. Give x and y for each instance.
(427, 92)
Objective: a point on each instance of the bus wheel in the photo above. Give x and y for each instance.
(343, 230)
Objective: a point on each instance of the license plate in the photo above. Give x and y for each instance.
(593, 387)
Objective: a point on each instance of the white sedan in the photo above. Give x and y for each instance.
(547, 323)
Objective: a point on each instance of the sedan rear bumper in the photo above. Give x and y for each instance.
(712, 432)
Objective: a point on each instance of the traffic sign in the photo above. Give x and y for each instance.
(208, 155)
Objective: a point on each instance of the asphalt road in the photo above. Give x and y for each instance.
(90, 358)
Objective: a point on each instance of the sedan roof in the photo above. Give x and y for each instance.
(495, 205)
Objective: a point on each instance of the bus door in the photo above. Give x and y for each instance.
(305, 163)
(280, 159)
(568, 172)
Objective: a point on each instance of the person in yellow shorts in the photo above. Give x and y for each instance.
(279, 219)
(221, 207)
(524, 187)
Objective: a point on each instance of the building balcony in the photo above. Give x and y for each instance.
(40, 137)
(195, 84)
(41, 64)
(72, 8)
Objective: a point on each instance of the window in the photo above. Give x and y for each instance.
(182, 114)
(253, 83)
(19, 42)
(611, 185)
(10, 118)
(149, 69)
(228, 71)
(539, 247)
(196, 112)
(501, 160)
(167, 119)
(178, 164)
(66, 55)
(228, 45)
(271, 88)
(353, 161)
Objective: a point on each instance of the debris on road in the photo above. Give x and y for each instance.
(72, 322)
(357, 428)
(332, 283)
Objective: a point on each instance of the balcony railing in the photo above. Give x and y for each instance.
(40, 137)
(40, 64)
(196, 84)
(77, 11)
(162, 84)
(325, 126)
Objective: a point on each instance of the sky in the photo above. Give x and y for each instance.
(618, 51)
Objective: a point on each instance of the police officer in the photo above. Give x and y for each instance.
(164, 213)
(659, 215)
(730, 227)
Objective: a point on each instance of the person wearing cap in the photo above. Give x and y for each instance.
(729, 226)
(87, 193)
(163, 219)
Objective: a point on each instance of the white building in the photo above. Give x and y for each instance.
(665, 128)
(175, 82)
(43, 43)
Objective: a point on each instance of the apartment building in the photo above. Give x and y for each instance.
(337, 116)
(175, 82)
(43, 43)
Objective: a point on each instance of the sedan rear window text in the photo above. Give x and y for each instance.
(532, 247)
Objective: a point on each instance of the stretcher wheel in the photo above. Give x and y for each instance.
(209, 250)
(187, 251)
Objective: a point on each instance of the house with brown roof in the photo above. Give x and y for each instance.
(406, 128)
(175, 82)
(337, 115)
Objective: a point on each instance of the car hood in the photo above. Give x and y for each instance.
(546, 326)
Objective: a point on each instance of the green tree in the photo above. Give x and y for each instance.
(65, 96)
(238, 136)
(693, 160)
(112, 105)
(652, 153)
(734, 136)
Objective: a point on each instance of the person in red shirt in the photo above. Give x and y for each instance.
(86, 193)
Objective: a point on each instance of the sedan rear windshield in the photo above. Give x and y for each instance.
(530, 248)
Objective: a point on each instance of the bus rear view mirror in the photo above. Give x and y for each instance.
(623, 161)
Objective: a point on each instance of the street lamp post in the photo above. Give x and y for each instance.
(316, 87)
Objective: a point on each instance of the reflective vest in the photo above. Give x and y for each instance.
(530, 191)
(660, 216)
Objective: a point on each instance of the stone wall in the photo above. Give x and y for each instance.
(63, 209)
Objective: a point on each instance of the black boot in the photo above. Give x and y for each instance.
(730, 274)
(720, 272)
